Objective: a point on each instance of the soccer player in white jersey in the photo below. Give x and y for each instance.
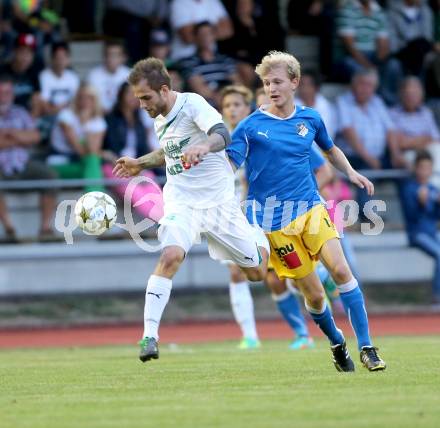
(199, 200)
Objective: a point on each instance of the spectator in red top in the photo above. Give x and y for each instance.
(24, 71)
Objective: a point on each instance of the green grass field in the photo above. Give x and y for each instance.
(215, 385)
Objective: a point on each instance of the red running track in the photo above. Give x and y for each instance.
(202, 332)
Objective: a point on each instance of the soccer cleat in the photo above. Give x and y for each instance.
(371, 360)
(149, 349)
(341, 358)
(247, 343)
(302, 342)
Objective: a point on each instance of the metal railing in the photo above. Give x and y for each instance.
(74, 183)
(69, 183)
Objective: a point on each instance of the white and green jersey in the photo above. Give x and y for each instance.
(207, 184)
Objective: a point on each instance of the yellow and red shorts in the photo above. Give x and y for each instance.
(294, 249)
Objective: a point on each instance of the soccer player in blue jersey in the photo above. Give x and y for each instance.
(235, 104)
(275, 143)
(283, 293)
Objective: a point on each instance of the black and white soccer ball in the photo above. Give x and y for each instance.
(95, 212)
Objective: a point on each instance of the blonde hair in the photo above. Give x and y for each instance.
(279, 59)
(239, 90)
(89, 90)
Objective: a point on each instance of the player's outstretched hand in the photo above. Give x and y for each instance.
(126, 167)
(195, 153)
(362, 182)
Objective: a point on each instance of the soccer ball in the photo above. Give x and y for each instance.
(95, 212)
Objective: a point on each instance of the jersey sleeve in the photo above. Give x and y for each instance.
(383, 113)
(321, 137)
(181, 15)
(382, 30)
(344, 110)
(67, 117)
(238, 149)
(27, 122)
(218, 10)
(204, 115)
(316, 158)
(432, 128)
(44, 86)
(344, 22)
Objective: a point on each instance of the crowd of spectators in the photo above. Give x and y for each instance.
(52, 124)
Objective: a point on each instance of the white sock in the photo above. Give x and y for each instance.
(348, 286)
(156, 298)
(243, 308)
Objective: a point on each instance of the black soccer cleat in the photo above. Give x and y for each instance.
(371, 360)
(341, 358)
(149, 349)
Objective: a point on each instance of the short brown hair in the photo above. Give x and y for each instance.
(152, 70)
(239, 90)
(422, 155)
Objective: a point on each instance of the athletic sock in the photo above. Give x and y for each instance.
(156, 298)
(290, 309)
(354, 305)
(325, 321)
(243, 308)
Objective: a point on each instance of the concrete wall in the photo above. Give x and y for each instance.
(94, 266)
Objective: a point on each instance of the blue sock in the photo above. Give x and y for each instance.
(327, 324)
(353, 301)
(290, 309)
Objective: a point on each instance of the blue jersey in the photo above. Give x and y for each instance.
(316, 158)
(277, 153)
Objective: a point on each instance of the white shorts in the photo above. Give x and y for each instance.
(230, 236)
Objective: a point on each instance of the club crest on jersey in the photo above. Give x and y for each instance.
(302, 129)
(174, 150)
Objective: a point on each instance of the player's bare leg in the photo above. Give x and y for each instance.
(289, 307)
(156, 298)
(352, 298)
(169, 262)
(243, 307)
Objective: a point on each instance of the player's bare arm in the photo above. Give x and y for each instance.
(218, 139)
(340, 162)
(129, 167)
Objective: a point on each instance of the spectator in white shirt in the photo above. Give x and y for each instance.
(366, 133)
(415, 124)
(58, 83)
(77, 138)
(107, 78)
(185, 14)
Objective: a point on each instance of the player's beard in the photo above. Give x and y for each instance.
(153, 113)
(158, 109)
